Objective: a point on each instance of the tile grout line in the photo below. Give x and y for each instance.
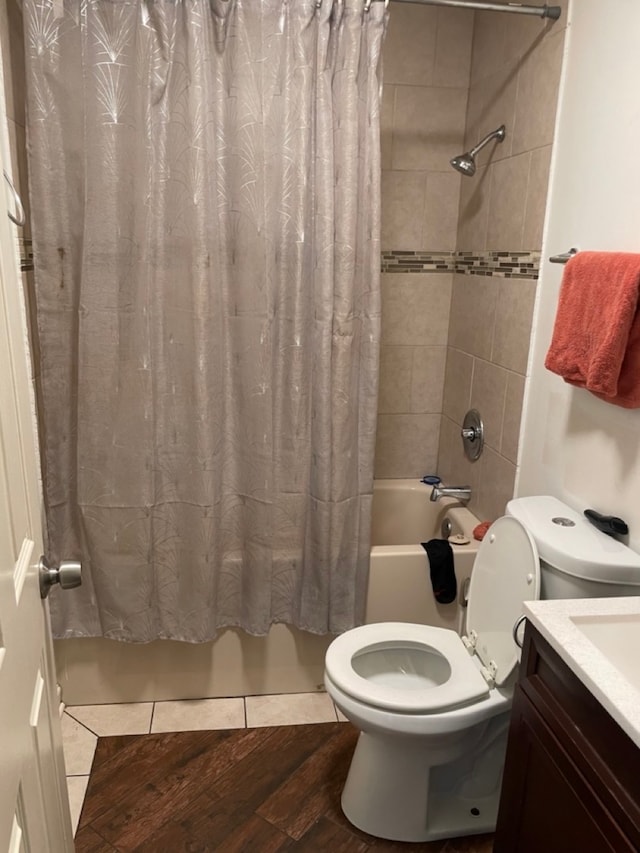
(80, 723)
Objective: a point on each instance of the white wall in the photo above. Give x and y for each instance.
(573, 445)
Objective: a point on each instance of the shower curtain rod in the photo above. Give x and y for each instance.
(545, 11)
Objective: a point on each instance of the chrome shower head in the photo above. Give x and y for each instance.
(466, 163)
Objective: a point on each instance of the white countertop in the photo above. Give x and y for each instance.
(555, 621)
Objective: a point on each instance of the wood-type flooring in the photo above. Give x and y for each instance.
(263, 790)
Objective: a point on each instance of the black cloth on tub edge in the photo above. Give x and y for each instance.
(443, 576)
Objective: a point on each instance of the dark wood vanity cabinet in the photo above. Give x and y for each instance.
(572, 776)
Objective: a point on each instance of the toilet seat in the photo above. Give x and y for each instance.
(505, 573)
(463, 685)
(421, 669)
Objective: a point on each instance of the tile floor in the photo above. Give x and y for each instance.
(83, 724)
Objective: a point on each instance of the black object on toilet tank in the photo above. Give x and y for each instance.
(609, 524)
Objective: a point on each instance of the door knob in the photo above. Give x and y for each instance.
(68, 575)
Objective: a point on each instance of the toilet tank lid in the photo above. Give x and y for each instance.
(577, 548)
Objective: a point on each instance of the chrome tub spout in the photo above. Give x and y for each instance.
(460, 493)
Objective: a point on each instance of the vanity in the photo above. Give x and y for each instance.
(572, 773)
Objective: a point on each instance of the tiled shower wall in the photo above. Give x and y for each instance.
(515, 75)
(427, 57)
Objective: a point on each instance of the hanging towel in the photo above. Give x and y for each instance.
(443, 576)
(596, 336)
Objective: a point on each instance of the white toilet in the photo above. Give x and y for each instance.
(433, 708)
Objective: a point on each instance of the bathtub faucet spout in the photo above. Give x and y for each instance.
(460, 493)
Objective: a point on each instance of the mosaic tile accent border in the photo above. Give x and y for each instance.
(418, 261)
(502, 264)
(25, 253)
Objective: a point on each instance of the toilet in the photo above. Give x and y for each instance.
(433, 707)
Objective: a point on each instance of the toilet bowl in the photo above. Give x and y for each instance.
(433, 707)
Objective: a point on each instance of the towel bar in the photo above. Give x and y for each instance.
(562, 259)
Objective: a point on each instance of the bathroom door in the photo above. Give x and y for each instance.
(34, 805)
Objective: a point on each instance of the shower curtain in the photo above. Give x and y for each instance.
(206, 205)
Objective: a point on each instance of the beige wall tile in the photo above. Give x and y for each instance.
(427, 379)
(406, 445)
(536, 198)
(523, 35)
(538, 95)
(428, 127)
(457, 384)
(473, 217)
(453, 465)
(509, 179)
(515, 72)
(453, 48)
(514, 313)
(488, 392)
(441, 211)
(488, 44)
(415, 309)
(410, 46)
(403, 202)
(473, 306)
(386, 125)
(492, 102)
(512, 417)
(394, 394)
(497, 480)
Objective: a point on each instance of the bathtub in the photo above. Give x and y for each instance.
(94, 671)
(399, 586)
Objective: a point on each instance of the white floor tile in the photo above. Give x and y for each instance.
(106, 720)
(79, 745)
(196, 714)
(77, 786)
(289, 709)
(341, 717)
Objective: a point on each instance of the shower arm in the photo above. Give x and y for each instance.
(495, 134)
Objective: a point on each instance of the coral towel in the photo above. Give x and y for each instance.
(596, 337)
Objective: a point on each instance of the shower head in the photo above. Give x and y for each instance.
(466, 163)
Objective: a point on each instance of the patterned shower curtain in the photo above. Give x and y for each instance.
(205, 209)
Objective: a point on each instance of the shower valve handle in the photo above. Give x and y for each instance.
(68, 575)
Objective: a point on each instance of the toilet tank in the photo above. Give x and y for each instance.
(576, 559)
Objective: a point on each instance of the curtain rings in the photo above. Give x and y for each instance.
(367, 4)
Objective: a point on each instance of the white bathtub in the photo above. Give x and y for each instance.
(93, 671)
(399, 585)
